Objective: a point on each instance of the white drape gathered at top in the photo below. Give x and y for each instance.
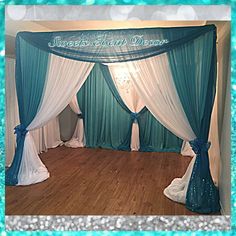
(130, 97)
(78, 137)
(64, 78)
(152, 79)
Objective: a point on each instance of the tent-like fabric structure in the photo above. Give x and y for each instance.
(172, 70)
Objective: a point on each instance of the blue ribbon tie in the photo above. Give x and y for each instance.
(198, 146)
(80, 116)
(20, 130)
(134, 116)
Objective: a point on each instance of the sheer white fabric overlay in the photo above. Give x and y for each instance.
(12, 116)
(47, 136)
(130, 97)
(64, 78)
(78, 138)
(160, 97)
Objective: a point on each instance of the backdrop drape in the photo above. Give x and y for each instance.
(105, 121)
(154, 137)
(129, 96)
(146, 129)
(133, 115)
(163, 96)
(193, 67)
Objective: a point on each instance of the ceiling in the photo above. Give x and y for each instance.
(12, 27)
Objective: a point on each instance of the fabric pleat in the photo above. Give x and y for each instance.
(105, 121)
(193, 67)
(31, 69)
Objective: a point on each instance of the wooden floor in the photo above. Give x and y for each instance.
(101, 182)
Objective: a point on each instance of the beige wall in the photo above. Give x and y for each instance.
(67, 121)
(225, 146)
(224, 117)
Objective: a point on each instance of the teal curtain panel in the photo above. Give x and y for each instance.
(105, 121)
(193, 68)
(31, 70)
(154, 137)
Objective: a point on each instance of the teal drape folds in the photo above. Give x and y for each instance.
(113, 45)
(133, 116)
(154, 137)
(105, 121)
(31, 69)
(193, 68)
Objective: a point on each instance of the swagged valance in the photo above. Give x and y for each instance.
(117, 45)
(172, 69)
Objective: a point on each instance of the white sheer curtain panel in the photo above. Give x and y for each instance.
(214, 151)
(153, 82)
(186, 149)
(12, 116)
(38, 138)
(78, 138)
(44, 138)
(47, 136)
(51, 132)
(65, 77)
(130, 97)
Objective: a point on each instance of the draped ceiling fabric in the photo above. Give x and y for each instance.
(185, 57)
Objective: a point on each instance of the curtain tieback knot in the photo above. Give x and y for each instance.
(134, 116)
(199, 145)
(20, 130)
(80, 116)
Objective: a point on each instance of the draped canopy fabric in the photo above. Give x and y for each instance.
(178, 87)
(113, 45)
